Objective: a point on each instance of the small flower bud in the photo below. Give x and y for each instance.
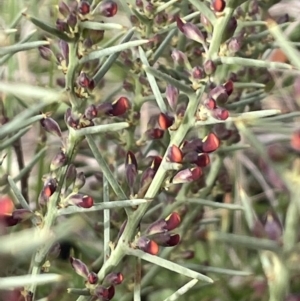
(8, 220)
(165, 121)
(228, 87)
(209, 67)
(108, 8)
(172, 221)
(172, 94)
(61, 25)
(54, 251)
(58, 161)
(190, 30)
(159, 226)
(166, 239)
(114, 279)
(206, 24)
(83, 7)
(92, 278)
(210, 103)
(221, 131)
(147, 177)
(179, 57)
(131, 169)
(80, 268)
(91, 112)
(219, 94)
(147, 245)
(218, 5)
(51, 126)
(22, 214)
(210, 143)
(234, 46)
(72, 20)
(153, 134)
(220, 113)
(46, 53)
(272, 227)
(104, 108)
(174, 154)
(71, 174)
(120, 106)
(64, 49)
(81, 200)
(48, 189)
(6, 205)
(295, 140)
(197, 73)
(83, 80)
(195, 144)
(187, 175)
(63, 8)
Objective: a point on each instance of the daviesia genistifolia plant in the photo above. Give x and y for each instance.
(145, 158)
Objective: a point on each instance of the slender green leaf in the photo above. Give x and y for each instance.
(168, 265)
(170, 80)
(110, 50)
(185, 288)
(22, 47)
(48, 28)
(153, 84)
(8, 142)
(21, 281)
(100, 26)
(111, 59)
(214, 204)
(205, 10)
(106, 220)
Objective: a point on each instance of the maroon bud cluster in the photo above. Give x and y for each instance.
(104, 291)
(17, 216)
(108, 8)
(158, 234)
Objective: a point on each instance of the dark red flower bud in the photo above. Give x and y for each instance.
(210, 143)
(71, 174)
(114, 278)
(61, 25)
(6, 205)
(295, 140)
(209, 67)
(190, 30)
(72, 20)
(51, 126)
(220, 113)
(92, 278)
(172, 94)
(147, 245)
(84, 7)
(153, 134)
(159, 226)
(147, 177)
(91, 112)
(139, 3)
(219, 94)
(22, 214)
(80, 200)
(229, 87)
(179, 57)
(80, 268)
(64, 49)
(111, 292)
(197, 73)
(165, 121)
(48, 189)
(104, 108)
(174, 154)
(272, 226)
(210, 103)
(221, 131)
(203, 160)
(187, 175)
(218, 5)
(195, 144)
(173, 221)
(234, 45)
(156, 162)
(102, 293)
(120, 106)
(8, 220)
(58, 161)
(108, 8)
(131, 169)
(166, 239)
(79, 181)
(63, 8)
(83, 80)
(46, 53)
